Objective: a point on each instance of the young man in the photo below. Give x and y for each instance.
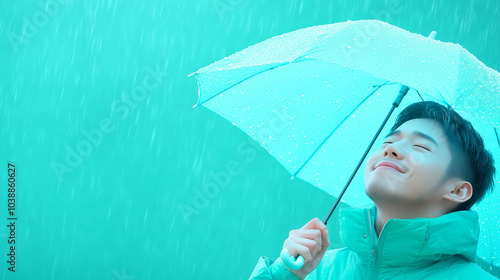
(424, 178)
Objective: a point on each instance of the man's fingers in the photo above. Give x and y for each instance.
(295, 249)
(311, 242)
(307, 233)
(313, 245)
(324, 239)
(315, 224)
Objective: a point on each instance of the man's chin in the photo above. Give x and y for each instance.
(381, 193)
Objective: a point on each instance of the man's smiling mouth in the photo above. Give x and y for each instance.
(388, 165)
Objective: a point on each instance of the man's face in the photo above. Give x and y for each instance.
(420, 150)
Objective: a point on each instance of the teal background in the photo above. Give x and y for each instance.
(120, 213)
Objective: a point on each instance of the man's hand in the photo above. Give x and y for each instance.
(311, 241)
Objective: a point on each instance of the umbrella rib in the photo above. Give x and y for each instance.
(496, 133)
(242, 81)
(331, 133)
(286, 63)
(251, 77)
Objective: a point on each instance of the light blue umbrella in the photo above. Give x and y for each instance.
(333, 85)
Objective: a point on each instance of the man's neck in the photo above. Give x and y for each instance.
(381, 219)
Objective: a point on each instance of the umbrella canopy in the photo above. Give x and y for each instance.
(330, 86)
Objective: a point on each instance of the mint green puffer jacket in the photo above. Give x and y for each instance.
(441, 248)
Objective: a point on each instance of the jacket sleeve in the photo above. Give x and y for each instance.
(268, 269)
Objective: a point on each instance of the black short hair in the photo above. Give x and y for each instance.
(470, 159)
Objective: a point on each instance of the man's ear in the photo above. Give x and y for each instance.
(459, 192)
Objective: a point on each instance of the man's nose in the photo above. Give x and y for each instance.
(394, 151)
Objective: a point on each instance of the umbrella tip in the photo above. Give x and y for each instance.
(433, 35)
(195, 105)
(292, 177)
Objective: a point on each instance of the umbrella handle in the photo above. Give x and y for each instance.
(290, 262)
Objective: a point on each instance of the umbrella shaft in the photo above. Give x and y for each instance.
(402, 92)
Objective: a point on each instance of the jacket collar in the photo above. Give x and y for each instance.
(410, 241)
